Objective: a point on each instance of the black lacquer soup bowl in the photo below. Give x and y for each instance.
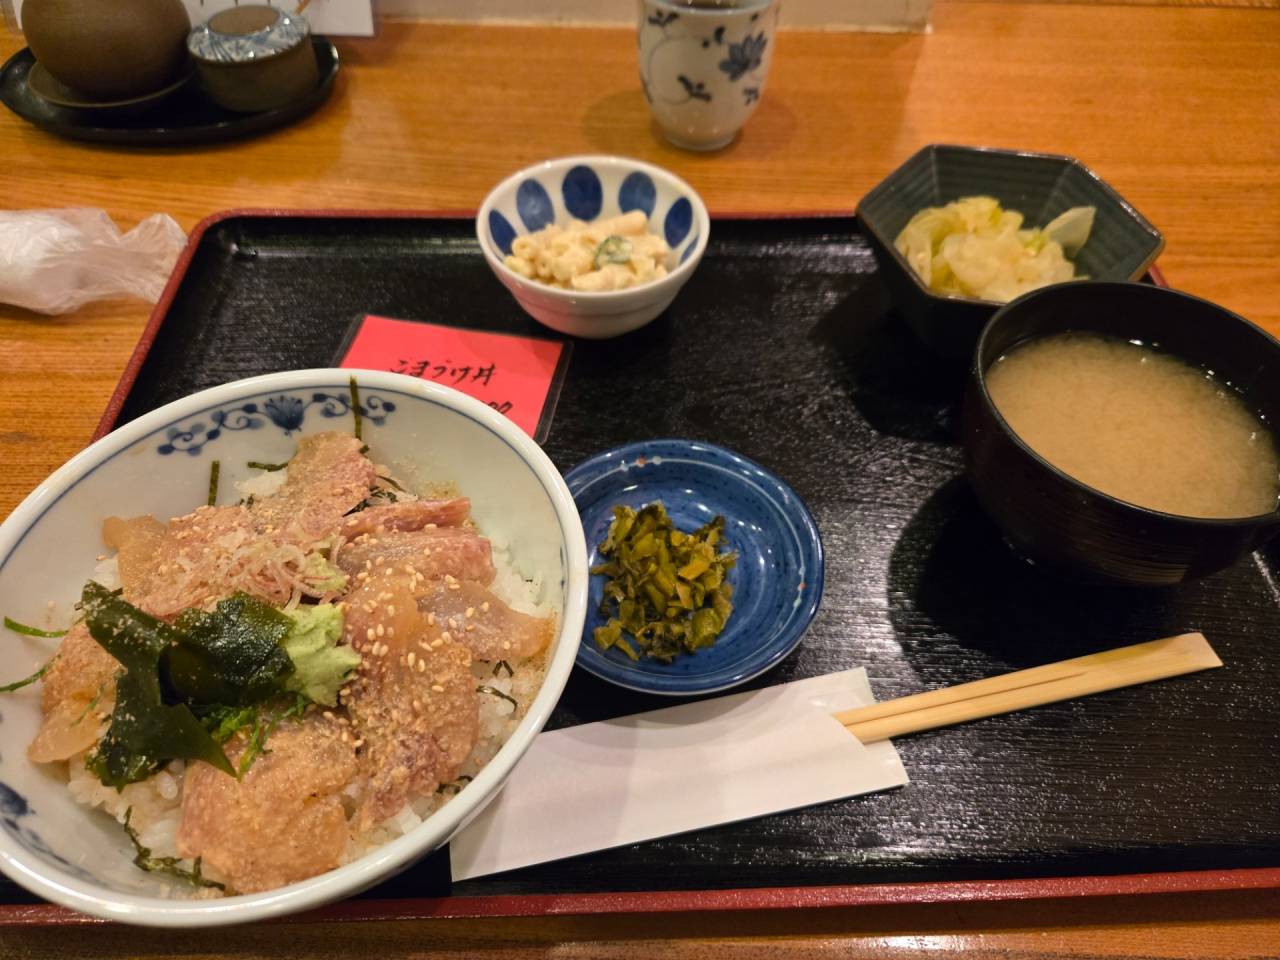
(1061, 523)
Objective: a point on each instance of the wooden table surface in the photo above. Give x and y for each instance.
(1178, 107)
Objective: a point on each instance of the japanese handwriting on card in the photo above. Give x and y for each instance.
(517, 376)
(446, 371)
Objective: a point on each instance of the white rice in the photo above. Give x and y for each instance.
(263, 485)
(154, 805)
(107, 572)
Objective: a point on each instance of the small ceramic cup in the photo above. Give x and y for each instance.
(703, 65)
(254, 57)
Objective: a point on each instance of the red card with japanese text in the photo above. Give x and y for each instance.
(516, 375)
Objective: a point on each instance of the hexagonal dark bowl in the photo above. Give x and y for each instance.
(1063, 524)
(1121, 246)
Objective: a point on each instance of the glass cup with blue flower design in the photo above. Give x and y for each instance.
(703, 65)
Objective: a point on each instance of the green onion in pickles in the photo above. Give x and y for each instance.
(975, 248)
(666, 589)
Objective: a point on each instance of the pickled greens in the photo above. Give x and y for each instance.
(665, 588)
(975, 248)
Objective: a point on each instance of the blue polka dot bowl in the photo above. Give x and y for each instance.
(777, 580)
(588, 188)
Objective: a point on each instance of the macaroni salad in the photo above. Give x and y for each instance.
(608, 254)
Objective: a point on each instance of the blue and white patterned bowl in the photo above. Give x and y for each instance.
(584, 188)
(160, 464)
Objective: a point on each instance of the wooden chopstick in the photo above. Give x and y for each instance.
(1065, 680)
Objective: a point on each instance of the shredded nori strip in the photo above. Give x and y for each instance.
(379, 495)
(494, 691)
(454, 786)
(269, 467)
(214, 470)
(503, 665)
(169, 865)
(355, 406)
(26, 631)
(27, 681)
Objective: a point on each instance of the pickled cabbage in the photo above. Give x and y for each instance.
(975, 248)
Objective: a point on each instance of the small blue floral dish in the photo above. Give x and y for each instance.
(588, 188)
(777, 581)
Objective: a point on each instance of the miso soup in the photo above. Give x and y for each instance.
(1137, 424)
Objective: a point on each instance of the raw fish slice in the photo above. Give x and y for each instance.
(284, 821)
(77, 697)
(165, 568)
(81, 671)
(260, 548)
(73, 726)
(79, 692)
(139, 543)
(327, 478)
(412, 702)
(456, 551)
(208, 554)
(410, 515)
(476, 618)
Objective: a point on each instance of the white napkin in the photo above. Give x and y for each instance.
(655, 774)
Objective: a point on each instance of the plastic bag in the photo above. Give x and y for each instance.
(53, 261)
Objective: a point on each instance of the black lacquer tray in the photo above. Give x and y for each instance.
(783, 348)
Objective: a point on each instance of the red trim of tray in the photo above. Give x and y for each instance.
(704, 901)
(760, 898)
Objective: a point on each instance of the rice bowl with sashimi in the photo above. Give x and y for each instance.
(279, 686)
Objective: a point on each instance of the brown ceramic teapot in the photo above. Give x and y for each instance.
(109, 49)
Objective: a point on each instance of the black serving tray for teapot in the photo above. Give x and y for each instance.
(783, 348)
(185, 117)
